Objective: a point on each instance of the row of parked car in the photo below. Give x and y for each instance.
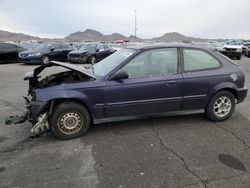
(43, 53)
(90, 52)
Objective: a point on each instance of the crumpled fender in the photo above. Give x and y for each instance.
(47, 95)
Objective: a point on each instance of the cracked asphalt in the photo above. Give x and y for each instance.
(178, 151)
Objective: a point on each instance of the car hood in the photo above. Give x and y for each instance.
(78, 52)
(78, 68)
(34, 75)
(30, 51)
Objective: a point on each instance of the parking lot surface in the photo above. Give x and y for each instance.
(177, 151)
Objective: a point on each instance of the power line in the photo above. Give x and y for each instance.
(135, 23)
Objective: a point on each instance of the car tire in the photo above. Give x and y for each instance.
(69, 120)
(238, 57)
(45, 59)
(92, 60)
(221, 106)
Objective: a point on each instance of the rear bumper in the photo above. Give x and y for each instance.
(242, 93)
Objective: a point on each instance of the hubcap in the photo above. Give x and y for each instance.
(222, 106)
(45, 60)
(70, 123)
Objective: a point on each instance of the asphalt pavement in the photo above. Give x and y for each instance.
(177, 151)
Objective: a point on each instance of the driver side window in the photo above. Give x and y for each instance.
(55, 46)
(151, 63)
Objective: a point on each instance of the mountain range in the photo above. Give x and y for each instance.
(93, 35)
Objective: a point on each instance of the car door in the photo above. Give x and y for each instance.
(55, 52)
(154, 85)
(65, 49)
(201, 72)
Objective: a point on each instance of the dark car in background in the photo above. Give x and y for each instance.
(90, 53)
(246, 49)
(45, 52)
(133, 83)
(9, 52)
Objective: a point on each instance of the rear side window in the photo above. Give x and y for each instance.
(56, 46)
(195, 59)
(63, 46)
(105, 46)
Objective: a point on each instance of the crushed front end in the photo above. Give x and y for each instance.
(38, 105)
(36, 111)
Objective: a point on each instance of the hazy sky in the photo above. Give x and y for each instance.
(58, 18)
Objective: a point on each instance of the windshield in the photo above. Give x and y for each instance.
(233, 42)
(88, 47)
(43, 46)
(108, 64)
(28, 45)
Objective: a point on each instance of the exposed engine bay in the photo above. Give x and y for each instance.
(62, 77)
(38, 112)
(77, 73)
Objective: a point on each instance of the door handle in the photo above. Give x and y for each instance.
(171, 83)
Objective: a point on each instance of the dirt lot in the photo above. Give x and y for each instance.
(179, 151)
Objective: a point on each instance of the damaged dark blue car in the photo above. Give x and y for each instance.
(132, 83)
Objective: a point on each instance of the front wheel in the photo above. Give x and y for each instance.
(45, 59)
(221, 106)
(69, 120)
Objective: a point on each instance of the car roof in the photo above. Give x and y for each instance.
(52, 43)
(152, 46)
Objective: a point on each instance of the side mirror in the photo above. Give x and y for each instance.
(52, 49)
(120, 74)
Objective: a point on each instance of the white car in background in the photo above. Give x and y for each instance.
(231, 48)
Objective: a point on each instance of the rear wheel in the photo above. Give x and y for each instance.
(69, 120)
(45, 59)
(221, 106)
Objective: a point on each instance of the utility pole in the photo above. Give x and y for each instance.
(135, 24)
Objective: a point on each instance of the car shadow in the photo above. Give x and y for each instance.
(8, 62)
(132, 125)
